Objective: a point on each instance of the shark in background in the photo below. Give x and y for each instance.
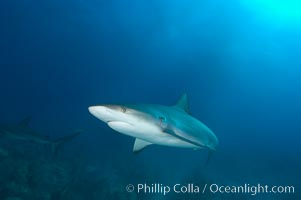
(22, 131)
(157, 124)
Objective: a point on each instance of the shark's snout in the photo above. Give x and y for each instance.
(100, 112)
(104, 109)
(107, 113)
(95, 110)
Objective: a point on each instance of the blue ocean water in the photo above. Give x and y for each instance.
(238, 61)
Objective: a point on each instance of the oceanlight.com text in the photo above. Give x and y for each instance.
(251, 189)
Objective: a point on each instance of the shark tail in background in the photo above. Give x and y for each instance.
(58, 143)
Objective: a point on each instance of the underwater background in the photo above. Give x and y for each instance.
(238, 61)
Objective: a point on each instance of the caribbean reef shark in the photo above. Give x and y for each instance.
(22, 131)
(157, 124)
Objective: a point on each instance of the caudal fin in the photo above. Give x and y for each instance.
(58, 143)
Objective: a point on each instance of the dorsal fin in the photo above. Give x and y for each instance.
(183, 103)
(140, 145)
(25, 122)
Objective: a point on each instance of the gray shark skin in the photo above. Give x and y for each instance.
(157, 124)
(22, 131)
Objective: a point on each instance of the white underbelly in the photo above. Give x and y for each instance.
(166, 139)
(151, 134)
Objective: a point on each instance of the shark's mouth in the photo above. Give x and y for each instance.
(116, 122)
(120, 126)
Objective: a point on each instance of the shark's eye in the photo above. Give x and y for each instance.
(162, 119)
(123, 109)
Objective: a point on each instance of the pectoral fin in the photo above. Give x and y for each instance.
(183, 137)
(140, 145)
